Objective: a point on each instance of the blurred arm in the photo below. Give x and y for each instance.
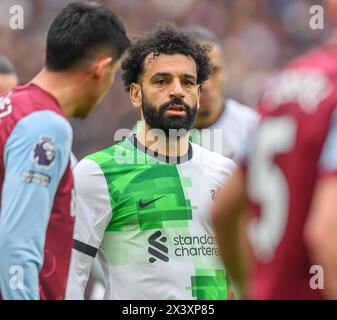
(229, 216)
(321, 227)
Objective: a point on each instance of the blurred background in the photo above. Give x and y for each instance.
(259, 37)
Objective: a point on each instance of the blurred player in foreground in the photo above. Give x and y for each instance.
(289, 183)
(144, 204)
(8, 77)
(84, 45)
(228, 121)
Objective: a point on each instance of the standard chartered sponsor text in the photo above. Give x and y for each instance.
(204, 245)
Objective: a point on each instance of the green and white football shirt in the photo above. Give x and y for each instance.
(147, 220)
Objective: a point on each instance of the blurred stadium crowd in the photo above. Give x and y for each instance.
(259, 37)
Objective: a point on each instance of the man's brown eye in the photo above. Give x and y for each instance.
(161, 82)
(188, 83)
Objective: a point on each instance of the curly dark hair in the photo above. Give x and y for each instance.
(168, 39)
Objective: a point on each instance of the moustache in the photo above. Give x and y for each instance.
(175, 101)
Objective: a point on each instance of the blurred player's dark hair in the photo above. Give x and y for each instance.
(203, 34)
(165, 38)
(5, 66)
(80, 31)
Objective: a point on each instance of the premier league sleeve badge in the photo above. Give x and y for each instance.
(43, 153)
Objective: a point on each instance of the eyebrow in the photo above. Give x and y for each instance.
(161, 74)
(190, 76)
(167, 74)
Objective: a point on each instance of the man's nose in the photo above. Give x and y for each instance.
(177, 90)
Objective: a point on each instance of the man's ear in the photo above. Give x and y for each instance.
(199, 95)
(100, 67)
(136, 95)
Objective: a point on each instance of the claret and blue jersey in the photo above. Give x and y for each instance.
(35, 187)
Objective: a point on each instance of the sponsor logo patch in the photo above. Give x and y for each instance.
(156, 248)
(36, 178)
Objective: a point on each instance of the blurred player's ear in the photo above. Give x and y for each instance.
(136, 95)
(100, 67)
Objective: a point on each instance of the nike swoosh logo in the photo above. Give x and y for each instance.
(143, 205)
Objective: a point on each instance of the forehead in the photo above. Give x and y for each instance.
(175, 64)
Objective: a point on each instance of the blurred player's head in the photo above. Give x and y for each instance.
(163, 74)
(212, 95)
(8, 77)
(86, 40)
(332, 10)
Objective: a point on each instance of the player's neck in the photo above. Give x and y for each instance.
(63, 88)
(168, 146)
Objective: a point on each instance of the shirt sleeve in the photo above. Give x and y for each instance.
(328, 158)
(35, 158)
(93, 214)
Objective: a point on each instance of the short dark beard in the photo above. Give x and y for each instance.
(155, 118)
